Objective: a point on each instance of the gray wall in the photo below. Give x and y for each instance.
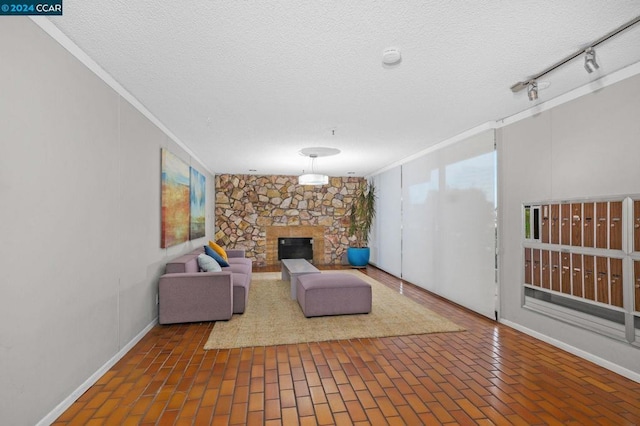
(588, 147)
(79, 222)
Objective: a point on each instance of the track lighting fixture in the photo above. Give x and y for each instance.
(532, 90)
(590, 63)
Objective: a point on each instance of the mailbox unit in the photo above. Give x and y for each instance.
(584, 255)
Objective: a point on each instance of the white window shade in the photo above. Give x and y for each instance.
(448, 218)
(385, 240)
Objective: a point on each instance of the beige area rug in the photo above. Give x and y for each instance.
(272, 318)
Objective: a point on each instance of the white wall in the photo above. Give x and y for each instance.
(79, 222)
(588, 147)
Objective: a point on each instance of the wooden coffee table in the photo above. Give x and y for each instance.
(293, 268)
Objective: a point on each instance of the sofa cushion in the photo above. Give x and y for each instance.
(182, 264)
(235, 253)
(218, 250)
(237, 268)
(208, 264)
(210, 252)
(240, 261)
(241, 283)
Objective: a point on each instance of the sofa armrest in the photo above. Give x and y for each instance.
(235, 253)
(194, 297)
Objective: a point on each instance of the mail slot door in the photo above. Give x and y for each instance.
(555, 270)
(536, 267)
(602, 279)
(527, 266)
(602, 225)
(565, 272)
(589, 277)
(636, 228)
(576, 224)
(588, 219)
(615, 225)
(615, 266)
(546, 270)
(555, 224)
(636, 273)
(544, 224)
(565, 224)
(576, 275)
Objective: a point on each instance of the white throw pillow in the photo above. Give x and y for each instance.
(208, 263)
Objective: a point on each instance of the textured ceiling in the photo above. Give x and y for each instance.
(246, 84)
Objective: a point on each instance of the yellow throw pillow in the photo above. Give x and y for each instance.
(215, 247)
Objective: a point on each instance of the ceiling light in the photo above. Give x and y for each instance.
(319, 151)
(313, 179)
(532, 90)
(590, 63)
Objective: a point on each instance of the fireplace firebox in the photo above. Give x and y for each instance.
(295, 248)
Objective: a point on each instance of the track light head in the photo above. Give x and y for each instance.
(532, 90)
(590, 63)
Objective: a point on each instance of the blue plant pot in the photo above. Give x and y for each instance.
(358, 256)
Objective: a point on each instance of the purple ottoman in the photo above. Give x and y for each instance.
(333, 294)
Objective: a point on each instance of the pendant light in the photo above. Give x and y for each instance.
(314, 178)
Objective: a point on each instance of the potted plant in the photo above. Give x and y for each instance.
(363, 210)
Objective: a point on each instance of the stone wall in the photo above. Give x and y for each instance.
(246, 205)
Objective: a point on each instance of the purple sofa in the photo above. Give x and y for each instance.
(187, 295)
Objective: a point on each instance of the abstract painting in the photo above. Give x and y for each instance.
(175, 200)
(198, 191)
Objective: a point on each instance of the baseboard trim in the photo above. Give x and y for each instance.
(629, 374)
(66, 403)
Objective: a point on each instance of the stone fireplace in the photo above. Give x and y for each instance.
(253, 211)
